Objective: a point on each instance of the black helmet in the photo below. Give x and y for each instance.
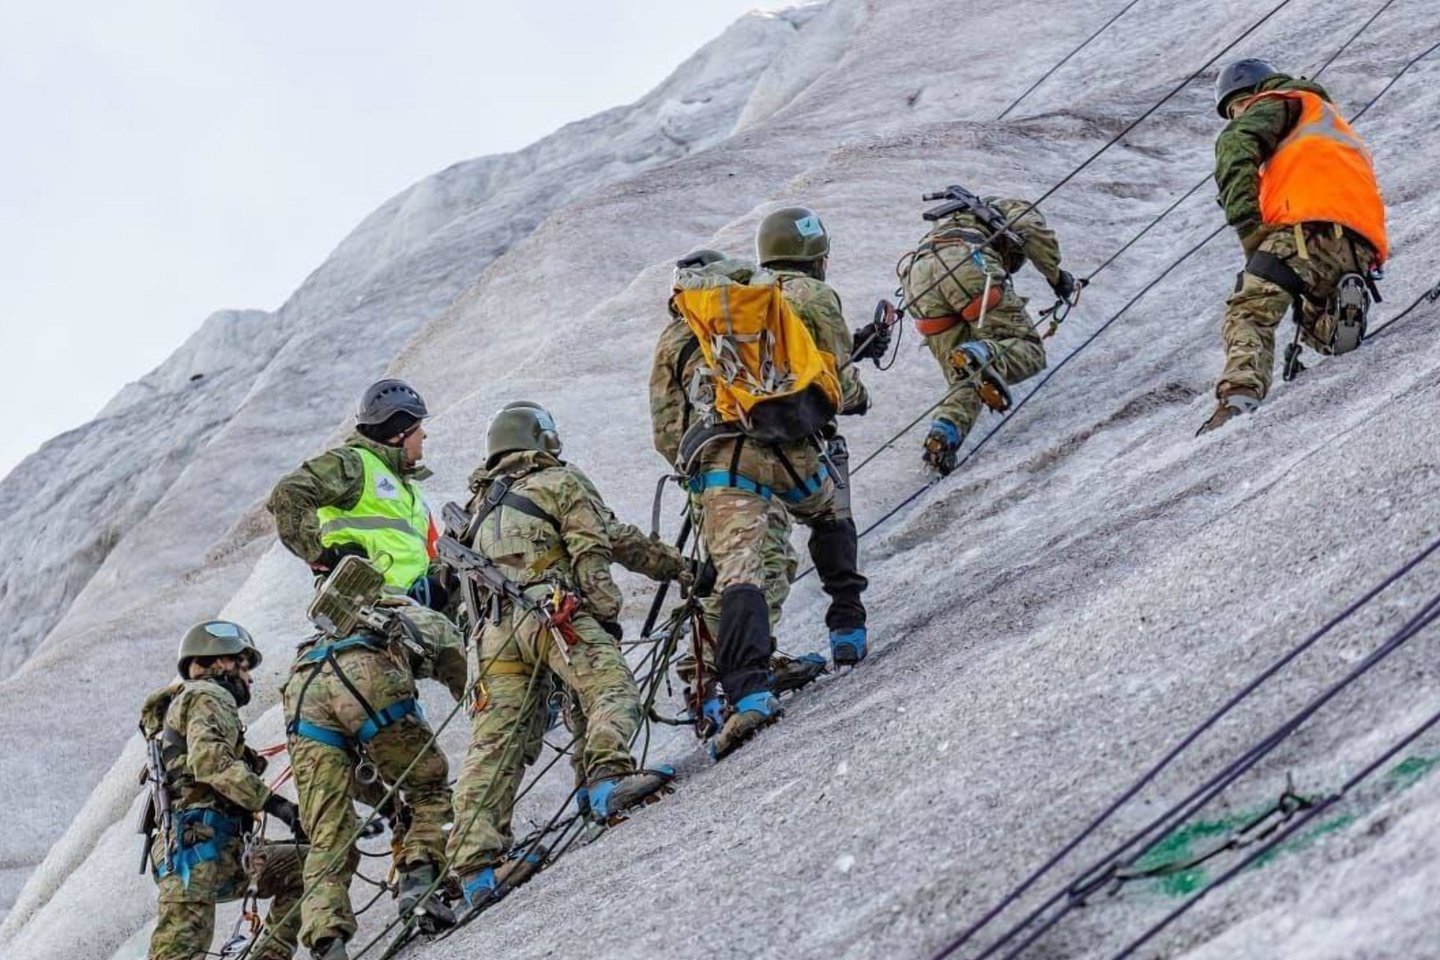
(383, 399)
(215, 638)
(1242, 76)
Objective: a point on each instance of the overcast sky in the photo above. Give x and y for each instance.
(165, 160)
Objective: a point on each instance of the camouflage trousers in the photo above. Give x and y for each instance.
(1018, 351)
(1257, 306)
(185, 927)
(778, 563)
(325, 777)
(518, 657)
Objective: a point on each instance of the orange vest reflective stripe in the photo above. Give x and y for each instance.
(1322, 172)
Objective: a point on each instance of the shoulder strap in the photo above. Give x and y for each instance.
(498, 494)
(688, 349)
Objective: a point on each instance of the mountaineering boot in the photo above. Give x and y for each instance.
(792, 673)
(942, 446)
(1232, 404)
(973, 360)
(708, 714)
(612, 796)
(489, 885)
(847, 647)
(332, 948)
(582, 801)
(752, 713)
(419, 894)
(1349, 310)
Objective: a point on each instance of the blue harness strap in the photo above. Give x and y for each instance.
(724, 478)
(321, 652)
(186, 858)
(368, 730)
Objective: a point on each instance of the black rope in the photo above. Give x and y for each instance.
(1066, 59)
(1185, 743)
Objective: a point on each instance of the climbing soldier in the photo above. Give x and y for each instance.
(958, 288)
(355, 729)
(1297, 184)
(205, 795)
(745, 427)
(364, 498)
(541, 523)
(701, 674)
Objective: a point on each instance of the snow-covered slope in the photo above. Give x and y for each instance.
(1045, 623)
(121, 532)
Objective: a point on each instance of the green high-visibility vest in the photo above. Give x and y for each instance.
(390, 522)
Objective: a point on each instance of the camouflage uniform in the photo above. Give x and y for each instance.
(325, 773)
(933, 290)
(519, 659)
(735, 525)
(1257, 306)
(212, 774)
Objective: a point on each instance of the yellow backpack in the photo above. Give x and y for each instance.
(770, 377)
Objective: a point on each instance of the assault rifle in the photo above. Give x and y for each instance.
(157, 816)
(957, 199)
(478, 573)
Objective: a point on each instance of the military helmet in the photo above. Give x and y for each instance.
(384, 399)
(215, 638)
(794, 233)
(521, 425)
(1242, 76)
(699, 258)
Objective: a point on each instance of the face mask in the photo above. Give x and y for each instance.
(238, 688)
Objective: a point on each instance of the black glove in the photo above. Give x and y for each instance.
(878, 336)
(330, 557)
(287, 813)
(613, 628)
(1065, 285)
(703, 576)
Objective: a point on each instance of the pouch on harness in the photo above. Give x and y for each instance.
(770, 378)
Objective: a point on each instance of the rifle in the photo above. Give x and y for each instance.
(961, 199)
(157, 816)
(478, 572)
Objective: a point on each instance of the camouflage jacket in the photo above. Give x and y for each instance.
(336, 478)
(203, 744)
(447, 665)
(1244, 146)
(1039, 245)
(578, 548)
(671, 382)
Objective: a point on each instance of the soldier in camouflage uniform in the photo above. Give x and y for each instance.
(958, 289)
(751, 480)
(780, 561)
(213, 780)
(351, 702)
(1297, 185)
(364, 498)
(543, 524)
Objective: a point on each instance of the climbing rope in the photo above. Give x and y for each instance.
(1065, 59)
(1105, 869)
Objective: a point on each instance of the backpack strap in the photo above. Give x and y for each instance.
(499, 494)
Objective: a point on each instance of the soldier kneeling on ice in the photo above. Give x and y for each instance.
(1297, 185)
(205, 793)
(355, 728)
(541, 522)
(958, 288)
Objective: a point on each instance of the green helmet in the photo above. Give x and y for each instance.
(699, 258)
(521, 425)
(215, 638)
(794, 233)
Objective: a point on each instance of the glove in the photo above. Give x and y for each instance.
(1065, 285)
(613, 628)
(703, 578)
(879, 342)
(330, 557)
(287, 813)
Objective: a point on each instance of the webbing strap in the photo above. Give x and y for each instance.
(370, 729)
(724, 478)
(186, 858)
(321, 653)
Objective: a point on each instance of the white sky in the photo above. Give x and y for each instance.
(162, 160)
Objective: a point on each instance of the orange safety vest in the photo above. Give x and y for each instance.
(1322, 172)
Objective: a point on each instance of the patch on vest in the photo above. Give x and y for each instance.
(385, 488)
